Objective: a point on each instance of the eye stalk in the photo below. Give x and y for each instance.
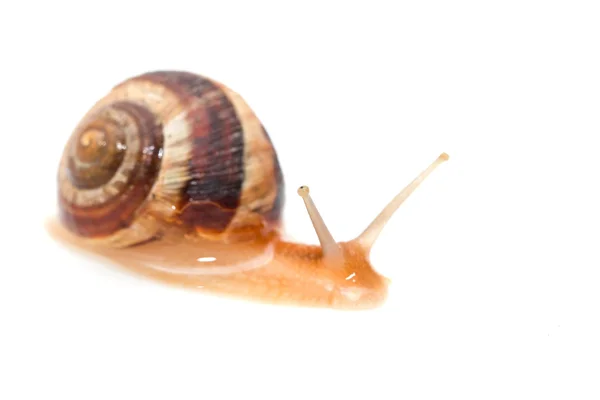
(369, 236)
(331, 250)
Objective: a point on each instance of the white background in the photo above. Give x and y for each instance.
(494, 260)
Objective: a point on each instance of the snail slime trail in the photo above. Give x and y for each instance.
(173, 176)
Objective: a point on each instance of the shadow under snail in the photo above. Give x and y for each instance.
(171, 174)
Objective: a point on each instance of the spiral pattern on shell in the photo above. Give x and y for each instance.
(169, 146)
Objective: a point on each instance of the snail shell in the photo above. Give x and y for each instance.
(170, 146)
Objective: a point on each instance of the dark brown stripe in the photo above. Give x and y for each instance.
(120, 211)
(216, 167)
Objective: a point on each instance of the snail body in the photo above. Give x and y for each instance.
(173, 175)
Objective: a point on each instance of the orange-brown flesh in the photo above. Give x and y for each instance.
(268, 270)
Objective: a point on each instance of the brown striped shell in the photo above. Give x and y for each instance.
(175, 147)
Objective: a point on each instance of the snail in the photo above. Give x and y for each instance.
(172, 175)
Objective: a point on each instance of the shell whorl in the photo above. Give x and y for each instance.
(170, 146)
